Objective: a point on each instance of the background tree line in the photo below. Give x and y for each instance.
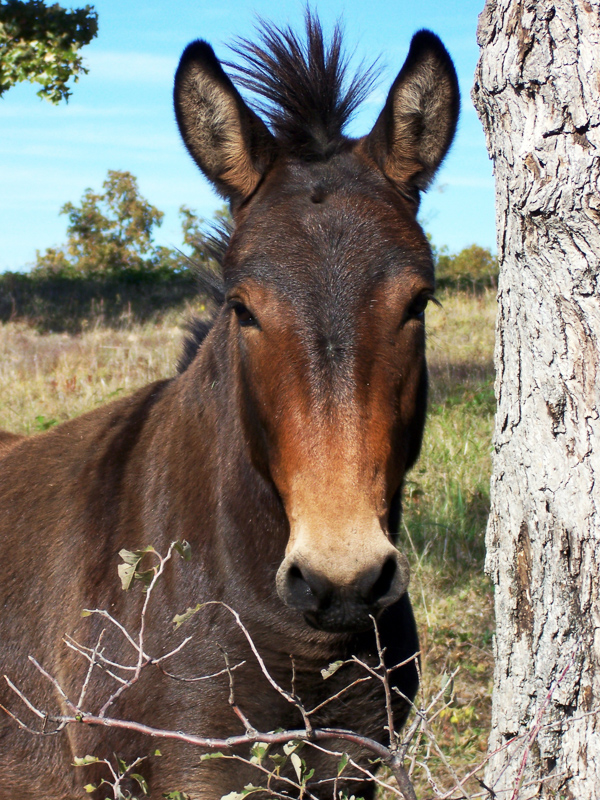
(110, 269)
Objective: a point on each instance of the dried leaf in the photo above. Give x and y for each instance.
(297, 765)
(83, 762)
(184, 549)
(179, 619)
(291, 746)
(331, 669)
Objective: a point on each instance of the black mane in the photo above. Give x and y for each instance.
(209, 277)
(307, 97)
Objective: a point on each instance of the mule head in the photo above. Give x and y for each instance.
(327, 277)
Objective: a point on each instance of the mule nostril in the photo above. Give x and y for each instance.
(300, 593)
(305, 590)
(297, 583)
(383, 584)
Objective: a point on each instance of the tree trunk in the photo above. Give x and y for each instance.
(537, 92)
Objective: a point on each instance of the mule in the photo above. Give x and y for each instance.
(278, 451)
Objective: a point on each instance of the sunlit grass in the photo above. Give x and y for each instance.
(446, 505)
(48, 378)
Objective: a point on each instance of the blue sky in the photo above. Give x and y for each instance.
(120, 115)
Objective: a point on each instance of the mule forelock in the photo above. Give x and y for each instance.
(308, 97)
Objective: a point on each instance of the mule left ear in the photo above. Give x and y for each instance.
(228, 141)
(416, 127)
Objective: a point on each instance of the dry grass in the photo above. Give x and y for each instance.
(447, 492)
(48, 378)
(460, 342)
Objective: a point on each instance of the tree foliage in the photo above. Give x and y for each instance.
(108, 232)
(41, 44)
(473, 267)
(111, 233)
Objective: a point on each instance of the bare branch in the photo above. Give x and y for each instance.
(26, 727)
(291, 698)
(250, 729)
(93, 663)
(339, 694)
(101, 661)
(384, 677)
(157, 661)
(223, 671)
(54, 683)
(22, 697)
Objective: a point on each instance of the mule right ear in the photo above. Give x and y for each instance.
(228, 141)
(416, 127)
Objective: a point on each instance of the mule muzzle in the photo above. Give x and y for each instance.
(346, 607)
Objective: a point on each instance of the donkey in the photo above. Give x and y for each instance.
(278, 451)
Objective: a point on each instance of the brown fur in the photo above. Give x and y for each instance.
(7, 440)
(278, 452)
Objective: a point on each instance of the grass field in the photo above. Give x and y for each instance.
(45, 379)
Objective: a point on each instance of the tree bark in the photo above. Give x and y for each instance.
(537, 92)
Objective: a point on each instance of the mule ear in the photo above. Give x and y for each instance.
(416, 127)
(228, 141)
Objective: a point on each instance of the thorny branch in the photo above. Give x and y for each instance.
(392, 756)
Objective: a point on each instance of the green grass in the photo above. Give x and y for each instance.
(447, 492)
(446, 505)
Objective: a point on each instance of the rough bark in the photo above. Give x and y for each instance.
(537, 92)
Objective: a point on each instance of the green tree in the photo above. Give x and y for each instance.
(474, 266)
(111, 233)
(41, 44)
(108, 233)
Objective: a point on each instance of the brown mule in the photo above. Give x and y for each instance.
(278, 451)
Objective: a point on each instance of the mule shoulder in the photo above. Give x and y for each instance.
(8, 441)
(44, 479)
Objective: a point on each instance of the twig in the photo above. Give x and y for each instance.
(291, 698)
(250, 729)
(364, 770)
(54, 683)
(90, 670)
(143, 660)
(22, 697)
(212, 675)
(100, 660)
(26, 727)
(339, 694)
(384, 677)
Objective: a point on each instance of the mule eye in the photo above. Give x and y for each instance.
(418, 306)
(243, 314)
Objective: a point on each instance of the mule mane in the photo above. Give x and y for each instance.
(209, 276)
(307, 97)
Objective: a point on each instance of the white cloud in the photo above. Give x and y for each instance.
(131, 67)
